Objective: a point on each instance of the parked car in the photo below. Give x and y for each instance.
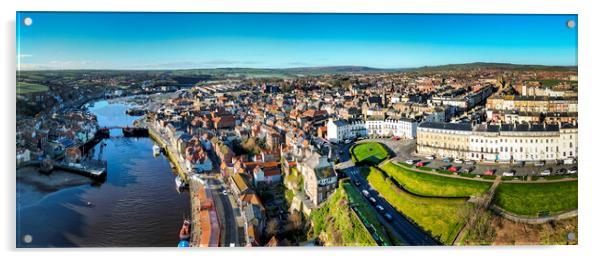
(572, 170)
(539, 163)
(489, 172)
(357, 183)
(380, 208)
(430, 157)
(388, 217)
(509, 173)
(569, 161)
(452, 169)
(420, 164)
(347, 141)
(410, 161)
(444, 167)
(447, 159)
(470, 162)
(546, 172)
(560, 171)
(395, 138)
(468, 169)
(458, 161)
(519, 163)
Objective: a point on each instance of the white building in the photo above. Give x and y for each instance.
(343, 129)
(502, 143)
(403, 128)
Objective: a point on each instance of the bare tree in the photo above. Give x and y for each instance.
(272, 227)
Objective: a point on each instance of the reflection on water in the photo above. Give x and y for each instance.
(136, 206)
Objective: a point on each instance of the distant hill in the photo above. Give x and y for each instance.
(489, 65)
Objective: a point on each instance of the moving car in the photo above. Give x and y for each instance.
(357, 183)
(388, 217)
(380, 208)
(372, 200)
(366, 193)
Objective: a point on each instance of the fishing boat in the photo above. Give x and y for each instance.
(156, 150)
(185, 230)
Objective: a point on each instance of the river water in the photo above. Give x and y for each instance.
(138, 205)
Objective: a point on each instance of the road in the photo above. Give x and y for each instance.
(401, 227)
(226, 213)
(409, 233)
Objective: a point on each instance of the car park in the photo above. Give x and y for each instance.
(509, 173)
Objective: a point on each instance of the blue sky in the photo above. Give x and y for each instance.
(197, 40)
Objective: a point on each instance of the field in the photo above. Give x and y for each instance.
(371, 153)
(433, 185)
(24, 88)
(532, 199)
(336, 225)
(442, 217)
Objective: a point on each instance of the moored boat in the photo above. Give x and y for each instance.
(156, 150)
(185, 230)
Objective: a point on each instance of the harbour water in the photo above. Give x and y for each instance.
(137, 205)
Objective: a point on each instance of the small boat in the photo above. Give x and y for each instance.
(156, 150)
(180, 184)
(185, 230)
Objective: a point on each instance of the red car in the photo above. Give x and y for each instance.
(452, 169)
(419, 164)
(489, 172)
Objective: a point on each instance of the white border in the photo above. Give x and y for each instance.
(589, 76)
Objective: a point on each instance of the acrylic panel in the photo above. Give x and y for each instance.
(295, 129)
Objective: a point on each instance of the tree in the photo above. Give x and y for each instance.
(296, 220)
(272, 227)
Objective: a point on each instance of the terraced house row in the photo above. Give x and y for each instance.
(501, 143)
